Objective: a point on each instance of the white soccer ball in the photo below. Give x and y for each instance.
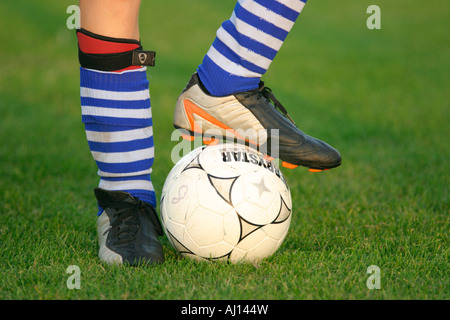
(226, 202)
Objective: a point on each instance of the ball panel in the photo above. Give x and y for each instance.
(215, 251)
(180, 247)
(179, 167)
(180, 197)
(256, 247)
(214, 194)
(232, 228)
(284, 212)
(254, 199)
(202, 218)
(277, 231)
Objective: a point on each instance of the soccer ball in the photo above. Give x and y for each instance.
(226, 202)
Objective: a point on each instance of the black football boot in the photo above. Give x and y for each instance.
(128, 230)
(254, 117)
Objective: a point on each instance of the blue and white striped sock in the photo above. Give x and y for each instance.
(246, 44)
(117, 115)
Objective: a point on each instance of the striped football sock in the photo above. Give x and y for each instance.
(116, 112)
(246, 44)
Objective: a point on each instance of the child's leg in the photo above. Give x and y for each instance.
(246, 44)
(115, 101)
(116, 112)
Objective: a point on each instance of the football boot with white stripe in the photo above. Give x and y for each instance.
(128, 230)
(255, 118)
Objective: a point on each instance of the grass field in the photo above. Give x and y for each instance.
(380, 96)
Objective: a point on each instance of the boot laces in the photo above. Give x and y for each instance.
(126, 222)
(268, 94)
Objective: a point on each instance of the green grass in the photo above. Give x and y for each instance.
(379, 96)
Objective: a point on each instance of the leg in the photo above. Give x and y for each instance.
(246, 44)
(227, 92)
(110, 18)
(116, 112)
